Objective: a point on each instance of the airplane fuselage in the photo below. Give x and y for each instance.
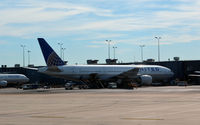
(105, 72)
(14, 78)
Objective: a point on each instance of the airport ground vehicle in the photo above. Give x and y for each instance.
(68, 86)
(46, 87)
(112, 85)
(182, 83)
(30, 86)
(71, 85)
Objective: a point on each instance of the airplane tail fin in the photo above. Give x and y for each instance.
(50, 56)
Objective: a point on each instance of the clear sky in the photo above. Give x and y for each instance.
(84, 25)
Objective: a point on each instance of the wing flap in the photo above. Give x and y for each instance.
(54, 69)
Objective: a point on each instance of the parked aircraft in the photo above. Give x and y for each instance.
(144, 74)
(194, 77)
(12, 78)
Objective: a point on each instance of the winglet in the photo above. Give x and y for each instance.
(51, 58)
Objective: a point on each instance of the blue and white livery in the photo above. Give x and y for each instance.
(143, 74)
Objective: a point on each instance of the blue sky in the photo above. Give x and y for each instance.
(84, 25)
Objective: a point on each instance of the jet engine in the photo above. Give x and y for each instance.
(145, 80)
(3, 83)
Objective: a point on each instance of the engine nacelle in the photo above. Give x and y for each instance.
(3, 83)
(145, 80)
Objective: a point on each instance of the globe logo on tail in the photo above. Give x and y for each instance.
(54, 60)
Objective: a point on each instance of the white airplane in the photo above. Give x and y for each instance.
(144, 74)
(12, 78)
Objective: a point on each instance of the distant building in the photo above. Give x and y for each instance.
(90, 61)
(150, 60)
(176, 58)
(111, 61)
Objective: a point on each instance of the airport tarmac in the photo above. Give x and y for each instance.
(171, 105)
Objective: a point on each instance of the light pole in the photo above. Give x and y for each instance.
(63, 51)
(23, 47)
(142, 52)
(29, 57)
(60, 44)
(114, 47)
(108, 41)
(158, 38)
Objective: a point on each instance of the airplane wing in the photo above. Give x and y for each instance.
(130, 74)
(36, 69)
(49, 69)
